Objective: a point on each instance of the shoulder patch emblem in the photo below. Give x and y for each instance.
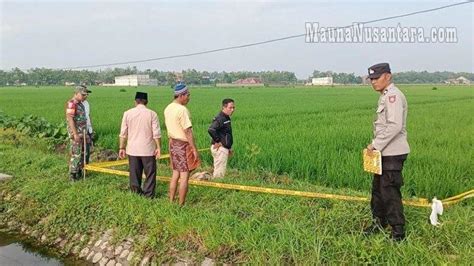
(392, 98)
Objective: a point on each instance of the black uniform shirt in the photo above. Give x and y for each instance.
(221, 130)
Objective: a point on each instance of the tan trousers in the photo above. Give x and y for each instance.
(220, 161)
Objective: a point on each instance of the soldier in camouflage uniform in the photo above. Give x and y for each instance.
(77, 126)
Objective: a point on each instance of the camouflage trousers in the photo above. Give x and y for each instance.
(76, 163)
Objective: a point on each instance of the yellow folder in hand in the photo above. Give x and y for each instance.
(372, 161)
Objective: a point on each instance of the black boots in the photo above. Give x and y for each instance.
(376, 227)
(398, 233)
(75, 176)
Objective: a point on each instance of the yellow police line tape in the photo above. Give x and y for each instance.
(125, 161)
(458, 198)
(422, 202)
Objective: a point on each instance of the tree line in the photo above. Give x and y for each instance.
(47, 76)
(408, 77)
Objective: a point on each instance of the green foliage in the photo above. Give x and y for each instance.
(412, 77)
(45, 76)
(37, 127)
(340, 78)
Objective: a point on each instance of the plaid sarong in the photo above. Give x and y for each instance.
(181, 157)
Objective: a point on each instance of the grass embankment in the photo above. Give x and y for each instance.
(229, 226)
(311, 134)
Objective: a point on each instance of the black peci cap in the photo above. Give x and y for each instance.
(141, 96)
(377, 70)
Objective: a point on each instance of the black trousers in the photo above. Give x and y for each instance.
(138, 165)
(386, 202)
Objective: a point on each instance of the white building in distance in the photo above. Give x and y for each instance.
(135, 80)
(322, 81)
(458, 81)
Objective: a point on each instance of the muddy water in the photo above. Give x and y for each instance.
(17, 250)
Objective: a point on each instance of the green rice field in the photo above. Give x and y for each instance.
(313, 134)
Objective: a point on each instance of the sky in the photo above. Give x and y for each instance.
(64, 34)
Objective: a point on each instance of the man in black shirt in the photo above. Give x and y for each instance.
(221, 134)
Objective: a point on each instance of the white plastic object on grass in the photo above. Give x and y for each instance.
(436, 209)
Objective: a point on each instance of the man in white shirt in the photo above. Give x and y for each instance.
(90, 144)
(140, 136)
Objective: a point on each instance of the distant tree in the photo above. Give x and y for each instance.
(170, 78)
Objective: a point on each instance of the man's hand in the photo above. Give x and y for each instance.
(217, 145)
(195, 152)
(157, 153)
(370, 149)
(77, 138)
(122, 154)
